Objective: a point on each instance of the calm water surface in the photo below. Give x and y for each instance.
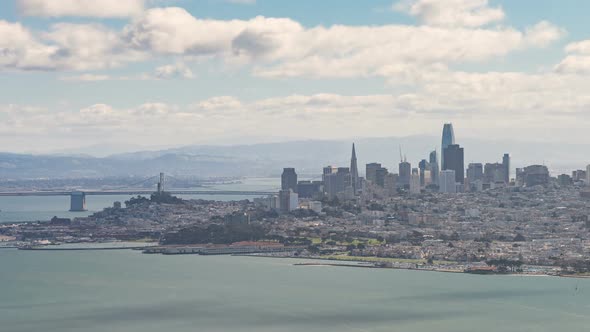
(129, 291)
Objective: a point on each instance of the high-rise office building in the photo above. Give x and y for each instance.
(405, 172)
(423, 166)
(454, 160)
(327, 171)
(415, 186)
(371, 170)
(579, 175)
(434, 169)
(337, 183)
(354, 171)
(380, 175)
(288, 201)
(494, 173)
(289, 179)
(588, 175)
(536, 175)
(447, 183)
(309, 189)
(448, 138)
(506, 167)
(474, 176)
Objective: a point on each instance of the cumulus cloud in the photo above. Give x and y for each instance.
(86, 78)
(80, 8)
(525, 103)
(452, 13)
(178, 70)
(273, 47)
(577, 60)
(283, 47)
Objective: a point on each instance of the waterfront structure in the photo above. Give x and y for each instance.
(371, 170)
(289, 179)
(454, 160)
(447, 182)
(405, 172)
(77, 201)
(354, 171)
(506, 167)
(448, 138)
(535, 175)
(434, 169)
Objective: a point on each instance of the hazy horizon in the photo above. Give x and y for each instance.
(140, 74)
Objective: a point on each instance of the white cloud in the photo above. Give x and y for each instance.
(516, 103)
(284, 48)
(578, 59)
(273, 47)
(452, 13)
(86, 78)
(80, 8)
(178, 70)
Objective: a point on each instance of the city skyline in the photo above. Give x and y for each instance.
(75, 73)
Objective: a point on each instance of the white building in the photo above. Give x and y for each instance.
(447, 182)
(415, 183)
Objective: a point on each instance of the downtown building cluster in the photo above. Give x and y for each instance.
(448, 175)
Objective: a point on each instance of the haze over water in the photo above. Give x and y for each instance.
(18, 209)
(132, 292)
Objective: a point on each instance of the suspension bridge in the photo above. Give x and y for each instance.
(78, 196)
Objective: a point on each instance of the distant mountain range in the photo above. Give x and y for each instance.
(268, 159)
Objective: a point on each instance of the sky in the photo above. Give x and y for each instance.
(158, 73)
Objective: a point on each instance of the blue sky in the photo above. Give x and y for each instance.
(221, 71)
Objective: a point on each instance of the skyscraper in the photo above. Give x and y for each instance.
(405, 173)
(337, 183)
(535, 175)
(454, 160)
(588, 175)
(354, 171)
(447, 183)
(475, 176)
(506, 166)
(289, 179)
(433, 160)
(371, 171)
(423, 166)
(380, 175)
(448, 138)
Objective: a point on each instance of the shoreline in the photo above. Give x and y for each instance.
(323, 261)
(358, 264)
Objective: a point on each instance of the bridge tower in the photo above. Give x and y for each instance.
(77, 201)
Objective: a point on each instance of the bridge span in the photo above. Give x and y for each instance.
(78, 197)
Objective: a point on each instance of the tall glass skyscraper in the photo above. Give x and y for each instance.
(448, 138)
